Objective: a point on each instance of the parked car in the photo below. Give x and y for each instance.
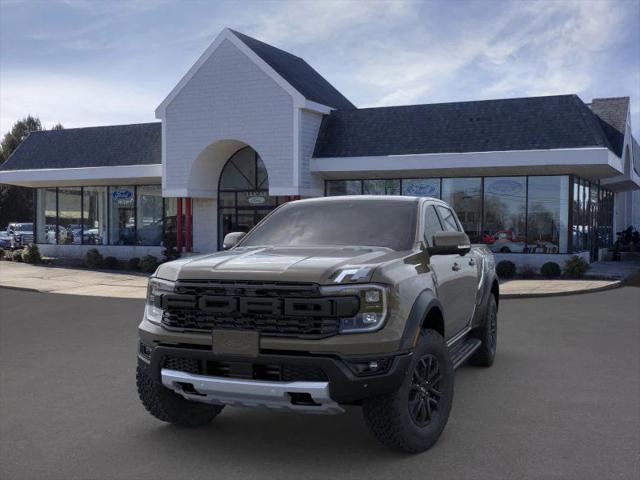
(368, 300)
(19, 234)
(5, 240)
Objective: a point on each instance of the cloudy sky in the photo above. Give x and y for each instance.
(82, 62)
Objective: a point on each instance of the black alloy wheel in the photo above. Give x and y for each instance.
(425, 392)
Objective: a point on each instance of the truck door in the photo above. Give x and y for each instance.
(456, 275)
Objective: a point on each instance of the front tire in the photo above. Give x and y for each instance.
(413, 417)
(488, 335)
(170, 407)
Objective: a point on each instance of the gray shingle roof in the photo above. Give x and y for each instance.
(612, 113)
(298, 73)
(138, 144)
(532, 123)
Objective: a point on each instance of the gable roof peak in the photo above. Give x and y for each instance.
(292, 73)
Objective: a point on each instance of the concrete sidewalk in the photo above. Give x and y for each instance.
(72, 281)
(77, 281)
(551, 288)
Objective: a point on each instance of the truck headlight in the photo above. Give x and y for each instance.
(153, 307)
(373, 307)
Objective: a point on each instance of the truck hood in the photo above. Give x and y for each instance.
(288, 264)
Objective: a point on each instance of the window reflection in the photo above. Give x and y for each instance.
(547, 214)
(149, 215)
(69, 216)
(381, 187)
(94, 216)
(421, 187)
(122, 221)
(464, 195)
(344, 187)
(46, 215)
(505, 214)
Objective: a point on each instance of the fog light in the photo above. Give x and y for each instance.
(370, 318)
(370, 367)
(145, 350)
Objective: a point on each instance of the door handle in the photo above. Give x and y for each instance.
(472, 262)
(455, 267)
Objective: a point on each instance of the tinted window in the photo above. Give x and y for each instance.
(431, 224)
(448, 220)
(342, 222)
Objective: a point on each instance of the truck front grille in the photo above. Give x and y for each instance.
(273, 309)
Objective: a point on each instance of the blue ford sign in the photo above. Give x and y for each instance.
(122, 194)
(422, 189)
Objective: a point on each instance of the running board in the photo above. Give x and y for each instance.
(463, 350)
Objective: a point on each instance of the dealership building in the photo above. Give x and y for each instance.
(250, 126)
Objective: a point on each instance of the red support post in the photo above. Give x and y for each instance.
(187, 228)
(179, 224)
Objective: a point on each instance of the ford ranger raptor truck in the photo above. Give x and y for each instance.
(362, 300)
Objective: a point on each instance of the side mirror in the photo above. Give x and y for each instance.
(232, 239)
(450, 243)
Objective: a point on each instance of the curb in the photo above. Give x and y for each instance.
(23, 289)
(611, 286)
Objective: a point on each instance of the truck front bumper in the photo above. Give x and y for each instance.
(312, 384)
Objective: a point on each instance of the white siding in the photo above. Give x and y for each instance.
(229, 97)
(205, 225)
(309, 127)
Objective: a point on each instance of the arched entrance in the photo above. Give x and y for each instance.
(243, 193)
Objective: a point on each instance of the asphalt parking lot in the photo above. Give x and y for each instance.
(562, 401)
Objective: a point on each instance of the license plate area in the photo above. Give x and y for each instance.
(235, 342)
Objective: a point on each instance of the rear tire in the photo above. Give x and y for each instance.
(170, 407)
(488, 335)
(413, 417)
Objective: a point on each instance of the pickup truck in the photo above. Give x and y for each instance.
(19, 235)
(362, 300)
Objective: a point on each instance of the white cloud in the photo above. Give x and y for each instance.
(73, 101)
(311, 21)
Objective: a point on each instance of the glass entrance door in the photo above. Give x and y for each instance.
(243, 193)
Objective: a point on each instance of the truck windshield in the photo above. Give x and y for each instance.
(375, 223)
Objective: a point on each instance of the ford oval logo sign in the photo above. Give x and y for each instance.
(122, 194)
(422, 189)
(256, 200)
(505, 187)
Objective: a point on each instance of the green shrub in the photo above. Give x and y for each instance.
(527, 271)
(133, 263)
(93, 258)
(576, 266)
(551, 270)
(110, 262)
(148, 264)
(1, 254)
(16, 256)
(506, 269)
(31, 254)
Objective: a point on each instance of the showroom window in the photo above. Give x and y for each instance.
(46, 215)
(97, 215)
(122, 217)
(69, 216)
(421, 187)
(381, 187)
(547, 214)
(517, 214)
(149, 215)
(505, 214)
(94, 215)
(464, 195)
(343, 187)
